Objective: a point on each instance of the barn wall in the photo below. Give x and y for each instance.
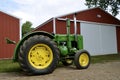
(94, 15)
(118, 38)
(46, 27)
(9, 28)
(61, 27)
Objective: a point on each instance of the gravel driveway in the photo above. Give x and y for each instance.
(99, 71)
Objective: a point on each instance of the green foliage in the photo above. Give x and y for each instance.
(26, 27)
(112, 6)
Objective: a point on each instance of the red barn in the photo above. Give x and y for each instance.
(101, 31)
(9, 28)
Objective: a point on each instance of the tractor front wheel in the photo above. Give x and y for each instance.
(82, 59)
(38, 55)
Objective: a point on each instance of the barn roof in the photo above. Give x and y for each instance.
(80, 11)
(93, 13)
(4, 12)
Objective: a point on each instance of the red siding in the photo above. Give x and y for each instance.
(61, 27)
(46, 27)
(91, 15)
(118, 38)
(9, 28)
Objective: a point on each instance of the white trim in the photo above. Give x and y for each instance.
(6, 58)
(80, 29)
(20, 30)
(54, 26)
(64, 19)
(98, 23)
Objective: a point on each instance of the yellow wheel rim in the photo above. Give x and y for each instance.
(84, 59)
(69, 61)
(40, 56)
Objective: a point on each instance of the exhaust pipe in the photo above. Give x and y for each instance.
(75, 26)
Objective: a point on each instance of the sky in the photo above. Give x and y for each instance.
(38, 11)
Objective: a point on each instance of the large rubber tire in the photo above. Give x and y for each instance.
(38, 55)
(82, 59)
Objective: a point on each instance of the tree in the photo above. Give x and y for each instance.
(112, 6)
(26, 27)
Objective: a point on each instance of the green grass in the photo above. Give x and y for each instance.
(9, 66)
(105, 58)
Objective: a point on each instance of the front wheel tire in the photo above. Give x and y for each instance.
(82, 59)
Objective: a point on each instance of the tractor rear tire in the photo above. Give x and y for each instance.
(38, 55)
(82, 59)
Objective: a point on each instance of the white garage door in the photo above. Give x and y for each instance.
(99, 39)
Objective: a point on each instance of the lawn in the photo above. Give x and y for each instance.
(9, 66)
(105, 58)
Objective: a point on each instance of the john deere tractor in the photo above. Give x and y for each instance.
(39, 52)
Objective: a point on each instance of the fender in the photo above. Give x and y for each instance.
(17, 48)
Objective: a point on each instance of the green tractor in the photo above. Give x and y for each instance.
(39, 52)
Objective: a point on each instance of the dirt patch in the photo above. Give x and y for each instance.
(99, 71)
